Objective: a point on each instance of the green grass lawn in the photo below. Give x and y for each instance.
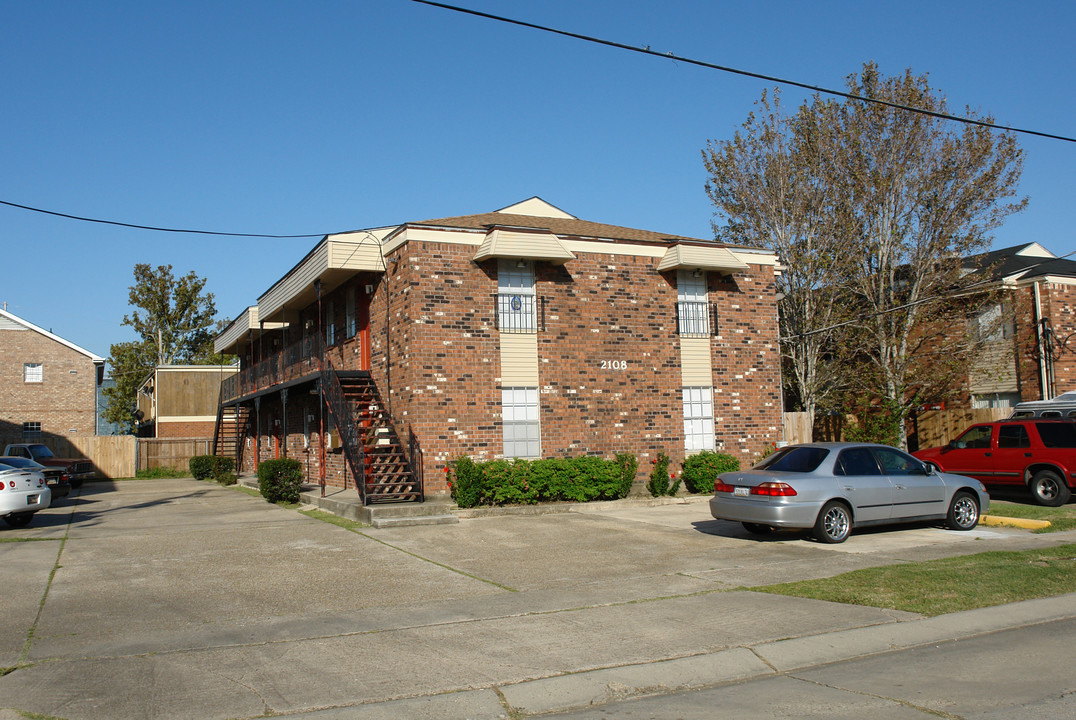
(1061, 518)
(936, 587)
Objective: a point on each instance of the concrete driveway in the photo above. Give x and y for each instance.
(176, 598)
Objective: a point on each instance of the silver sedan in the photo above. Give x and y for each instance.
(833, 487)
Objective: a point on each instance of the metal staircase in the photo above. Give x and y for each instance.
(372, 447)
(229, 432)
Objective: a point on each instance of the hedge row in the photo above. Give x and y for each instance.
(520, 482)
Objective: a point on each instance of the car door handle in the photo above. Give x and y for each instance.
(1027, 454)
(902, 487)
(987, 454)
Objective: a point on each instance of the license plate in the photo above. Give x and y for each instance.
(741, 491)
(31, 499)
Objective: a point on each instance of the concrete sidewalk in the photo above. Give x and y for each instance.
(185, 599)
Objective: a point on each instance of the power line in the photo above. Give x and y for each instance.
(769, 78)
(157, 229)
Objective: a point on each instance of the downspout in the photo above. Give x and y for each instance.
(1039, 343)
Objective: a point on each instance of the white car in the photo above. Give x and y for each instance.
(22, 493)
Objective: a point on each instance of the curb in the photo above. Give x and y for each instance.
(597, 687)
(1024, 523)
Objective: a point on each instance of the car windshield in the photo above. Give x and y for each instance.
(41, 451)
(794, 459)
(18, 462)
(1057, 435)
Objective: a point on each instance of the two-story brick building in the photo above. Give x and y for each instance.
(48, 386)
(525, 332)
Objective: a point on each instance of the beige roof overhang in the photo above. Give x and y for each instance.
(237, 335)
(529, 243)
(335, 259)
(687, 256)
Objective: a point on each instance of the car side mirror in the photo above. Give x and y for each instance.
(928, 469)
(954, 445)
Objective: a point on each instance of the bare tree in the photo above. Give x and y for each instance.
(770, 186)
(917, 194)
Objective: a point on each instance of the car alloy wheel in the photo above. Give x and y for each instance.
(963, 512)
(834, 523)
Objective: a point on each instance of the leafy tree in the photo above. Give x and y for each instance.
(173, 318)
(870, 208)
(772, 186)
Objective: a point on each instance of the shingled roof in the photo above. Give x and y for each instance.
(559, 226)
(1020, 262)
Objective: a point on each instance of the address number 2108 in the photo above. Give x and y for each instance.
(614, 364)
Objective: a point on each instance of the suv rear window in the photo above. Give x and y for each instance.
(1057, 435)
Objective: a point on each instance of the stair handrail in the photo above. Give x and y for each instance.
(414, 461)
(342, 418)
(220, 416)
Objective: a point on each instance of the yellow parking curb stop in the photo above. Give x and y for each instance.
(1014, 522)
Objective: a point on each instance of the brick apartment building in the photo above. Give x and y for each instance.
(520, 333)
(1031, 333)
(48, 386)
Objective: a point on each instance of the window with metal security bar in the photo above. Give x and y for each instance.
(516, 300)
(693, 309)
(519, 416)
(698, 419)
(32, 373)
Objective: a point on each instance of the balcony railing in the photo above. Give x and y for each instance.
(294, 361)
(520, 313)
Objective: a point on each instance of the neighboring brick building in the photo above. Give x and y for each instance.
(48, 386)
(1031, 333)
(180, 401)
(524, 332)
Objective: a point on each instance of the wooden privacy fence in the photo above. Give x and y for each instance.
(938, 427)
(935, 427)
(171, 452)
(112, 456)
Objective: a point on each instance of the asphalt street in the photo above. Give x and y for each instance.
(183, 599)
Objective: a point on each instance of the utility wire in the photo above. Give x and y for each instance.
(769, 78)
(151, 227)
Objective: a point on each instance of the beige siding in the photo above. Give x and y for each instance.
(995, 372)
(519, 360)
(362, 254)
(515, 244)
(695, 363)
(706, 258)
(295, 282)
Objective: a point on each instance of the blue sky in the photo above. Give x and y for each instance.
(314, 117)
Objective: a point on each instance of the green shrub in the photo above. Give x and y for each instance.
(702, 469)
(522, 482)
(660, 483)
(280, 480)
(228, 478)
(201, 466)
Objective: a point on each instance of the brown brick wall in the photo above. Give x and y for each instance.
(185, 429)
(64, 402)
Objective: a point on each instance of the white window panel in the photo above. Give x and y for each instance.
(698, 418)
(519, 417)
(33, 373)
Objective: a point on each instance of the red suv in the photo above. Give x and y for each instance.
(1033, 453)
